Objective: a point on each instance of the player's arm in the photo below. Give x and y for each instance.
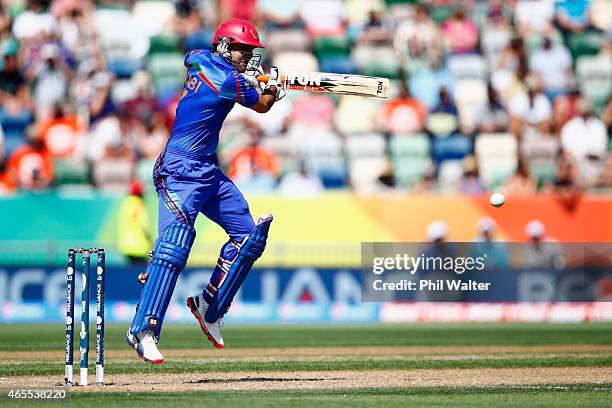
(265, 102)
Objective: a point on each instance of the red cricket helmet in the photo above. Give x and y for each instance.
(238, 32)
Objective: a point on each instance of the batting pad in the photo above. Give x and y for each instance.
(169, 258)
(250, 250)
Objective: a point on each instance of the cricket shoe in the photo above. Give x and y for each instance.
(198, 307)
(145, 345)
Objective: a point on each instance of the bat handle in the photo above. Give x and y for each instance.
(265, 78)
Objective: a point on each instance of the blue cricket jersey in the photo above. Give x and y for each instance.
(212, 87)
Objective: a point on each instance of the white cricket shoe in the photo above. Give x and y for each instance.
(198, 307)
(145, 345)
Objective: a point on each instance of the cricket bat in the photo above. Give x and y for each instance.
(323, 82)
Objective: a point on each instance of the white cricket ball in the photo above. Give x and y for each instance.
(497, 199)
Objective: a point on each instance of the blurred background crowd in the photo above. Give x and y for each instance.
(486, 95)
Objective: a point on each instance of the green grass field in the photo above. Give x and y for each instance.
(299, 365)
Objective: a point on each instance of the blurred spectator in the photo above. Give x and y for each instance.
(149, 140)
(512, 55)
(242, 9)
(403, 114)
(565, 107)
(101, 103)
(280, 13)
(428, 183)
(187, 19)
(470, 183)
(491, 116)
(134, 240)
(7, 182)
(520, 183)
(33, 21)
(445, 103)
(542, 251)
(62, 132)
(572, 15)
(31, 164)
(553, 63)
(419, 37)
(323, 17)
(113, 158)
(51, 80)
(11, 79)
(534, 16)
(437, 231)
(425, 83)
(606, 174)
(566, 183)
(531, 109)
(253, 159)
(300, 183)
(486, 243)
(606, 117)
(460, 33)
(313, 110)
(486, 229)
(376, 30)
(143, 105)
(585, 134)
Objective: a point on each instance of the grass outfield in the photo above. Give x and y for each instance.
(258, 353)
(14, 337)
(543, 396)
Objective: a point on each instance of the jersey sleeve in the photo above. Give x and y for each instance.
(191, 58)
(236, 89)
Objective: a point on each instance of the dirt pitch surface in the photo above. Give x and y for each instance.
(330, 379)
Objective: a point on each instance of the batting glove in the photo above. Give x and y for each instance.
(274, 86)
(251, 77)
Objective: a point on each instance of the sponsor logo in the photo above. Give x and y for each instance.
(153, 322)
(380, 87)
(305, 79)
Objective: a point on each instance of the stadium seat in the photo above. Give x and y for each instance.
(410, 156)
(493, 40)
(365, 171)
(296, 61)
(152, 16)
(356, 114)
(339, 64)
(410, 170)
(287, 40)
(123, 90)
(441, 124)
(365, 145)
(470, 94)
(586, 43)
(467, 67)
(166, 43)
(67, 171)
(450, 147)
(497, 157)
(449, 173)
(322, 152)
(168, 73)
(595, 78)
(376, 60)
(414, 145)
(331, 46)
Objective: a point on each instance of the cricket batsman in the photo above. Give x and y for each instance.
(188, 181)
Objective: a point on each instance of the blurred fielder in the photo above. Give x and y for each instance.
(188, 182)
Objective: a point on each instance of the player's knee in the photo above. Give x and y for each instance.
(175, 244)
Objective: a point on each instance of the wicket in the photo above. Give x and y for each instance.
(84, 334)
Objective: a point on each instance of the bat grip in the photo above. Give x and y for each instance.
(265, 78)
